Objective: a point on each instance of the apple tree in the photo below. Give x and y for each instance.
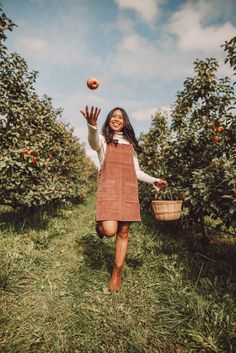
(197, 152)
(41, 160)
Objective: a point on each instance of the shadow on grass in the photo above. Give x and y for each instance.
(100, 253)
(96, 253)
(206, 267)
(30, 219)
(203, 259)
(133, 263)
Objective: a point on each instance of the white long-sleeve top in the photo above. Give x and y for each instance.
(98, 144)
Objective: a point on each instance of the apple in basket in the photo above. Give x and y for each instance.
(167, 210)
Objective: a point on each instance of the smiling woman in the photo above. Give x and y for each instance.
(116, 121)
(117, 202)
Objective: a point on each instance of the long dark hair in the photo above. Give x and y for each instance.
(128, 130)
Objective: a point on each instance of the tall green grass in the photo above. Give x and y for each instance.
(178, 293)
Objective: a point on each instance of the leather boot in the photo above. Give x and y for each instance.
(116, 279)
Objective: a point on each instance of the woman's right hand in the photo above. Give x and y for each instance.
(92, 115)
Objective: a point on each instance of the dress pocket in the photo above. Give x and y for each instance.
(131, 192)
(107, 191)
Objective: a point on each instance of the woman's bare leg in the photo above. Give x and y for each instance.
(108, 228)
(122, 240)
(120, 254)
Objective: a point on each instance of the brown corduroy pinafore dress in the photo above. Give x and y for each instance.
(117, 194)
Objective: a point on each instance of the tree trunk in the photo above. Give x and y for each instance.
(203, 227)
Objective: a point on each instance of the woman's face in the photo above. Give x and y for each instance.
(117, 121)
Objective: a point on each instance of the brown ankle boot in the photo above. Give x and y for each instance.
(116, 279)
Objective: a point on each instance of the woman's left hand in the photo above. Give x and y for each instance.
(161, 183)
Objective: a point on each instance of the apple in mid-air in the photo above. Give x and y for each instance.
(92, 83)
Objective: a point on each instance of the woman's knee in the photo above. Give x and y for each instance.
(109, 228)
(123, 232)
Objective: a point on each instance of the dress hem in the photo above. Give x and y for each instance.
(119, 220)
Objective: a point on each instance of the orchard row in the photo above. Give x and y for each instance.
(194, 147)
(41, 160)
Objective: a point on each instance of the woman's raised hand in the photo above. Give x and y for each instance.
(92, 115)
(161, 183)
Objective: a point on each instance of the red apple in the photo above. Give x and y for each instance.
(219, 129)
(215, 139)
(34, 160)
(25, 153)
(92, 83)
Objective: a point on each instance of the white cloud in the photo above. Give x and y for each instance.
(124, 24)
(47, 46)
(145, 115)
(214, 9)
(147, 10)
(225, 70)
(192, 35)
(139, 60)
(41, 2)
(186, 37)
(135, 57)
(62, 41)
(34, 44)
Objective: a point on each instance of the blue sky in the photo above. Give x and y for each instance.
(140, 51)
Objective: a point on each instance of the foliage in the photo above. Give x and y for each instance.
(230, 48)
(154, 148)
(204, 128)
(41, 160)
(198, 153)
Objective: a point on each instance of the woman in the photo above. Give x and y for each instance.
(117, 203)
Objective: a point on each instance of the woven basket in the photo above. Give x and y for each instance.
(167, 210)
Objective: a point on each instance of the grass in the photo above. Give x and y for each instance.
(178, 294)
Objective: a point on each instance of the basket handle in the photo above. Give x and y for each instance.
(159, 189)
